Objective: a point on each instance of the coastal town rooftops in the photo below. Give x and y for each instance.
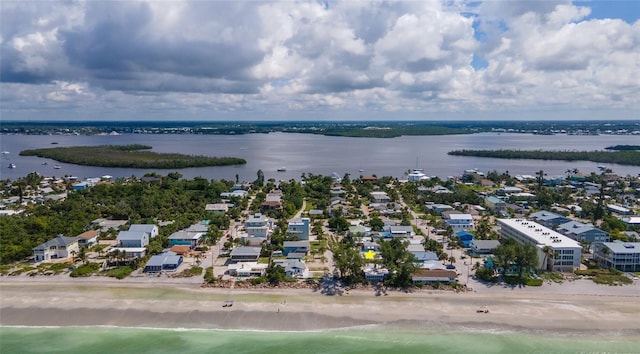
(542, 235)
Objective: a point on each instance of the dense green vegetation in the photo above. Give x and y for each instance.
(181, 201)
(131, 156)
(623, 147)
(628, 157)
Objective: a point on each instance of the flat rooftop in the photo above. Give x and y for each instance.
(542, 235)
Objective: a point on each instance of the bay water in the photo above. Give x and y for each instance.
(318, 154)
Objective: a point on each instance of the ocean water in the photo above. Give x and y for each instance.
(370, 339)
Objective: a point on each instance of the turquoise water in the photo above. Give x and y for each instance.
(375, 339)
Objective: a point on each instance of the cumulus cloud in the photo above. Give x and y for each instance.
(159, 59)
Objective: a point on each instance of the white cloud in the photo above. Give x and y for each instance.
(355, 57)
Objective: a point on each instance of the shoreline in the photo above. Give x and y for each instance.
(47, 302)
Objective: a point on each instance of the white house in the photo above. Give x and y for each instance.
(59, 247)
(460, 222)
(258, 225)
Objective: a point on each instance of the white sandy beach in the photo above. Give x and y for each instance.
(60, 301)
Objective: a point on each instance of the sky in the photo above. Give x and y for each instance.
(319, 60)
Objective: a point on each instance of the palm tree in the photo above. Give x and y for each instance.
(548, 253)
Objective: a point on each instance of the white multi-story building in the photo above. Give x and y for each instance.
(460, 222)
(258, 225)
(623, 256)
(299, 228)
(566, 253)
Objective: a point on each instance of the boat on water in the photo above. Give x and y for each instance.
(45, 163)
(282, 169)
(12, 165)
(361, 170)
(57, 167)
(5, 152)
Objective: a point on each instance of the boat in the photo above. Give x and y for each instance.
(45, 163)
(57, 167)
(361, 170)
(282, 169)
(5, 152)
(12, 165)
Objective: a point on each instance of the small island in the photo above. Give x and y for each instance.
(131, 156)
(623, 157)
(623, 147)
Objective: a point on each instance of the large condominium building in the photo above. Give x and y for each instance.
(566, 254)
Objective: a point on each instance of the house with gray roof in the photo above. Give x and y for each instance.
(549, 219)
(245, 254)
(583, 232)
(294, 268)
(167, 261)
(151, 229)
(59, 247)
(483, 246)
(295, 247)
(133, 239)
(400, 231)
(623, 256)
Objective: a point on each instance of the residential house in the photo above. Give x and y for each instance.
(459, 222)
(620, 210)
(400, 231)
(583, 232)
(495, 204)
(235, 194)
(465, 238)
(217, 209)
(295, 247)
(185, 238)
(132, 239)
(59, 247)
(245, 254)
(439, 208)
(380, 197)
(623, 256)
(151, 229)
(293, 268)
(549, 219)
(133, 243)
(375, 273)
(88, 238)
(483, 246)
(273, 201)
(299, 228)
(258, 225)
(430, 276)
(167, 261)
(247, 269)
